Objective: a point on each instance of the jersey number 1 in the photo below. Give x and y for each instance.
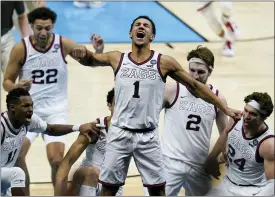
(11, 156)
(136, 92)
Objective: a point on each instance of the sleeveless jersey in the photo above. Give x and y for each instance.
(246, 167)
(139, 89)
(96, 151)
(48, 70)
(12, 139)
(187, 129)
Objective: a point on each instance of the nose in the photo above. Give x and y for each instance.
(196, 75)
(43, 32)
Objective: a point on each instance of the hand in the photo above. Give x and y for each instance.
(79, 52)
(26, 84)
(98, 43)
(90, 131)
(233, 113)
(212, 166)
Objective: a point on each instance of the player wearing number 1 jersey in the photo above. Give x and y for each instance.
(188, 122)
(39, 61)
(140, 76)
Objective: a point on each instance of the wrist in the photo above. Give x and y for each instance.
(76, 127)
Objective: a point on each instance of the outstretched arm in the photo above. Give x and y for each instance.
(171, 67)
(72, 155)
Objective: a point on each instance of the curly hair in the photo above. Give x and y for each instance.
(42, 13)
(264, 101)
(203, 53)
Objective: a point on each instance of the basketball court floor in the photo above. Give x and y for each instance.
(252, 69)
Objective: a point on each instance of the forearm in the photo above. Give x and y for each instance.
(219, 147)
(59, 130)
(9, 85)
(206, 94)
(90, 60)
(24, 26)
(62, 178)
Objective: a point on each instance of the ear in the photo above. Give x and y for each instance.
(152, 38)
(12, 107)
(130, 35)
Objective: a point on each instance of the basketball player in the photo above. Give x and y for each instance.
(39, 61)
(231, 35)
(139, 85)
(7, 38)
(15, 123)
(85, 179)
(188, 123)
(250, 152)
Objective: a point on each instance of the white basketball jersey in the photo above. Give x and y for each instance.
(12, 139)
(48, 70)
(246, 167)
(95, 152)
(187, 129)
(139, 89)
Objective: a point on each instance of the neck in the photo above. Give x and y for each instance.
(14, 123)
(39, 46)
(109, 120)
(250, 133)
(140, 53)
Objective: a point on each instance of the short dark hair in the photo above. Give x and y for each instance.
(147, 18)
(110, 96)
(264, 101)
(14, 96)
(41, 13)
(203, 53)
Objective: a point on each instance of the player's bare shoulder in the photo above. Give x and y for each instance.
(18, 51)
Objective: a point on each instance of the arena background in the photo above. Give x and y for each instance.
(180, 28)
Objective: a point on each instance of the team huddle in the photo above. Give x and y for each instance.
(38, 104)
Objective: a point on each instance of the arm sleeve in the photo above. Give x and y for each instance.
(19, 7)
(37, 124)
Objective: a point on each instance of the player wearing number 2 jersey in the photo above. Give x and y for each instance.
(249, 145)
(39, 61)
(188, 122)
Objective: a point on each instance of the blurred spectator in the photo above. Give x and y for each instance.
(89, 4)
(7, 39)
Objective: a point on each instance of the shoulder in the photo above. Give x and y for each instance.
(266, 149)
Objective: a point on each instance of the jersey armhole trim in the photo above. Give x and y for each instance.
(258, 158)
(215, 107)
(106, 124)
(176, 97)
(61, 48)
(119, 64)
(4, 134)
(158, 66)
(25, 52)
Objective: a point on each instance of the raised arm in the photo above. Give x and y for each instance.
(70, 158)
(16, 60)
(171, 67)
(212, 164)
(221, 117)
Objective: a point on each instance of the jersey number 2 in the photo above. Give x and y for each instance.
(11, 156)
(51, 74)
(192, 124)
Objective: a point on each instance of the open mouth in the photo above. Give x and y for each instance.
(140, 35)
(28, 117)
